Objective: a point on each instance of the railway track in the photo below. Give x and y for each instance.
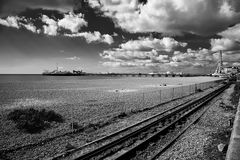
(148, 138)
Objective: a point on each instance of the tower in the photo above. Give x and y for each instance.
(219, 70)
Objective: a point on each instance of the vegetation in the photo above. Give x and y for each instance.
(34, 121)
(235, 95)
(75, 125)
(199, 90)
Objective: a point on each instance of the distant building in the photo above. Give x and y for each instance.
(169, 72)
(230, 70)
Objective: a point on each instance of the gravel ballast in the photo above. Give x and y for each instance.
(206, 139)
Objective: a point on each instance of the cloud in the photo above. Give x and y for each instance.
(231, 56)
(130, 55)
(107, 39)
(93, 37)
(144, 52)
(17, 22)
(30, 27)
(54, 26)
(97, 20)
(202, 58)
(157, 60)
(237, 64)
(10, 21)
(197, 58)
(165, 44)
(10, 7)
(51, 26)
(232, 33)
(73, 58)
(120, 64)
(72, 22)
(223, 44)
(173, 16)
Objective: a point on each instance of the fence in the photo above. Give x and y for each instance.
(113, 103)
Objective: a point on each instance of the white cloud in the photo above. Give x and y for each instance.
(145, 52)
(10, 21)
(93, 37)
(223, 44)
(164, 44)
(189, 60)
(73, 58)
(232, 33)
(120, 64)
(226, 9)
(51, 27)
(107, 38)
(30, 27)
(14, 21)
(130, 55)
(236, 64)
(72, 22)
(172, 16)
(119, 57)
(194, 57)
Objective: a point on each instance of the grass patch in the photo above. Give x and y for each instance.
(122, 115)
(75, 125)
(34, 121)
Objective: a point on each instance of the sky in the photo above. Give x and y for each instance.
(118, 35)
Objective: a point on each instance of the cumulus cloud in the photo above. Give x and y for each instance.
(73, 58)
(30, 27)
(121, 64)
(231, 56)
(164, 44)
(10, 21)
(51, 26)
(122, 55)
(172, 16)
(16, 22)
(133, 58)
(232, 33)
(201, 58)
(72, 22)
(197, 58)
(223, 44)
(93, 37)
(145, 52)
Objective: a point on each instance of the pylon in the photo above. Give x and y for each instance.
(219, 69)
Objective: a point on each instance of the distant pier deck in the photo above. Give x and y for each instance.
(145, 75)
